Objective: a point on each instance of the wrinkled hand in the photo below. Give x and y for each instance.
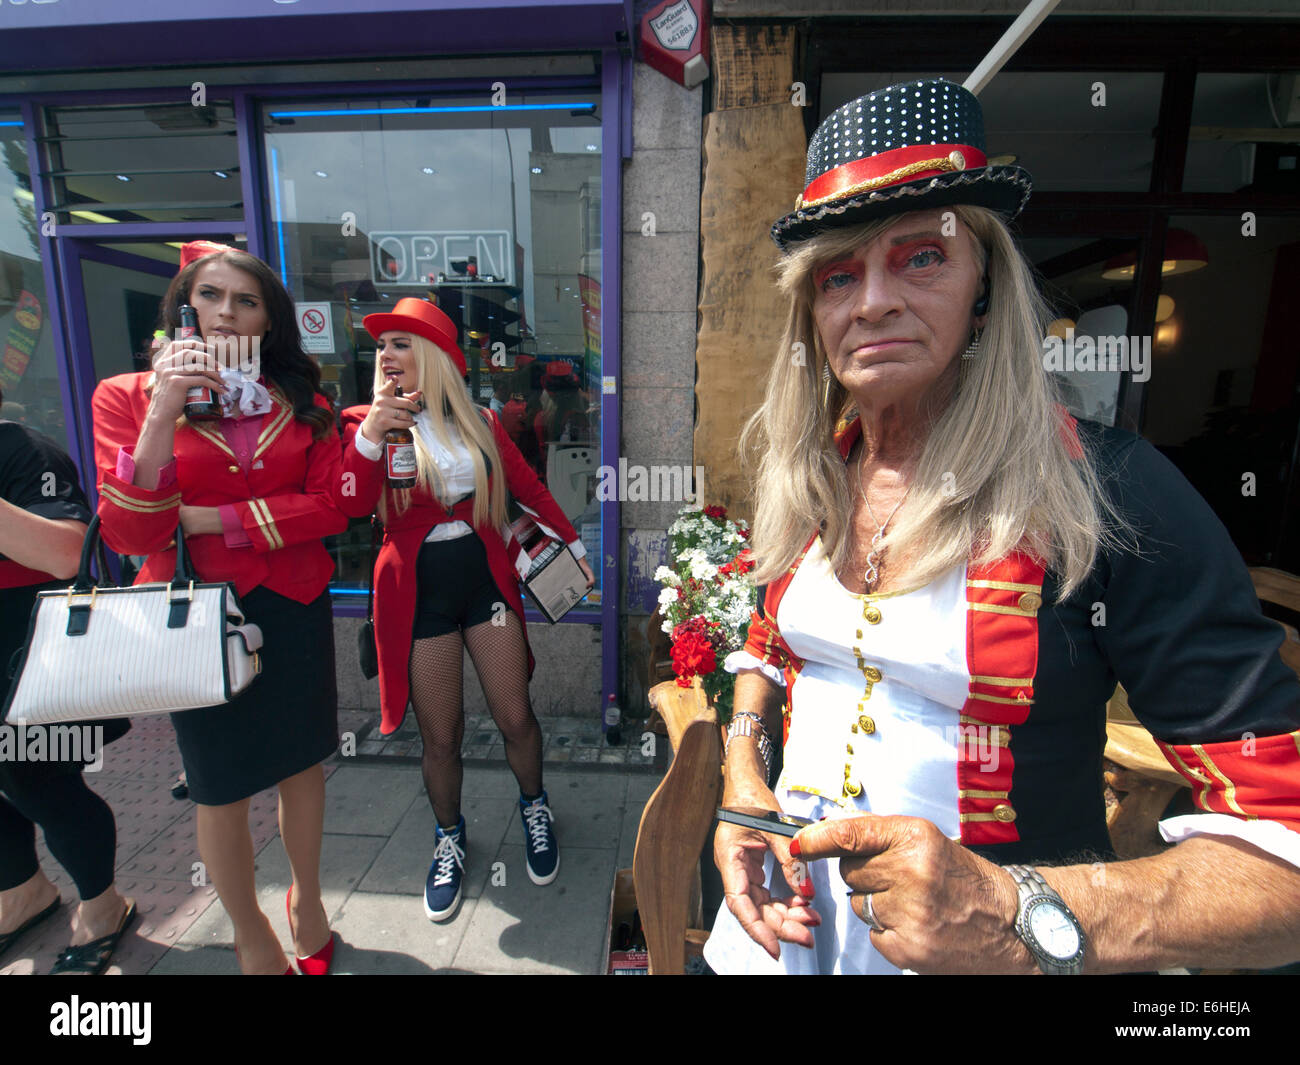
(944, 908)
(389, 411)
(178, 366)
(739, 853)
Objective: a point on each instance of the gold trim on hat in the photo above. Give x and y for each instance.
(954, 161)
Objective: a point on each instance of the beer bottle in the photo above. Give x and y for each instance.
(202, 404)
(399, 455)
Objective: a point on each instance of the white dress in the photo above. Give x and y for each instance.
(894, 737)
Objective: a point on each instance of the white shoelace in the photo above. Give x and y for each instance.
(538, 818)
(447, 854)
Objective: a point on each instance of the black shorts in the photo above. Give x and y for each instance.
(455, 587)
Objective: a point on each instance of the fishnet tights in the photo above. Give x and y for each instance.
(501, 660)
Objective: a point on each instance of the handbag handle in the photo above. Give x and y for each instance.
(375, 526)
(93, 548)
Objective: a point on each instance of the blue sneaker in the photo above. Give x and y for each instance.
(442, 887)
(540, 848)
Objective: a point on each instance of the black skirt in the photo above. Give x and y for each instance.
(284, 722)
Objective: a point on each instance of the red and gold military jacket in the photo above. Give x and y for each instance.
(1176, 622)
(285, 502)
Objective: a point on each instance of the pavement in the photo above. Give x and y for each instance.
(376, 850)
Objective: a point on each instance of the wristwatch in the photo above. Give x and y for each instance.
(1045, 924)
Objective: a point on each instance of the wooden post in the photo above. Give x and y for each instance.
(754, 155)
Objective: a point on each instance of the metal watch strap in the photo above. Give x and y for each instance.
(742, 725)
(1030, 885)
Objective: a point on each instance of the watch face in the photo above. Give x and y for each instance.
(1055, 932)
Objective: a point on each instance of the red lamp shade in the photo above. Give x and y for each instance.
(1184, 253)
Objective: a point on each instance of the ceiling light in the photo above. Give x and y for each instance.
(320, 173)
(121, 177)
(221, 174)
(1184, 253)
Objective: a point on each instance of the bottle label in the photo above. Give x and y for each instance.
(199, 394)
(401, 460)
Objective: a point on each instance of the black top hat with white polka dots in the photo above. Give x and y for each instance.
(909, 147)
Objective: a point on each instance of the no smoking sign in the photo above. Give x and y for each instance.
(316, 325)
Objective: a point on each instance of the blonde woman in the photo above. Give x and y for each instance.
(954, 575)
(443, 581)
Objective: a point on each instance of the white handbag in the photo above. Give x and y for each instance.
(100, 651)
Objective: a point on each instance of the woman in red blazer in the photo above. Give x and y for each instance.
(443, 580)
(253, 494)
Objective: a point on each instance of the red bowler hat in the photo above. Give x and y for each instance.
(422, 318)
(197, 249)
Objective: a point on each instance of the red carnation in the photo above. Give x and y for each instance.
(692, 654)
(715, 512)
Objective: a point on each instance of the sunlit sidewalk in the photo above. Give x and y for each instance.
(377, 847)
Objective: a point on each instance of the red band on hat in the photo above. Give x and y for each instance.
(883, 171)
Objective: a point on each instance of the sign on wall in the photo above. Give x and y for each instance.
(316, 327)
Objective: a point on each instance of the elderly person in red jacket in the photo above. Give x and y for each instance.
(443, 578)
(253, 493)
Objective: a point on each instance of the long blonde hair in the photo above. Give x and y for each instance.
(443, 391)
(994, 474)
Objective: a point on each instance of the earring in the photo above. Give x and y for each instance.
(826, 385)
(972, 349)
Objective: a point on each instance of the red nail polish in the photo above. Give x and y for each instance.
(806, 889)
(794, 848)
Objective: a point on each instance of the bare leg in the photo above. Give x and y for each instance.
(98, 917)
(436, 667)
(302, 821)
(501, 661)
(227, 850)
(20, 904)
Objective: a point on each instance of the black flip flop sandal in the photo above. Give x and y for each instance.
(9, 938)
(91, 959)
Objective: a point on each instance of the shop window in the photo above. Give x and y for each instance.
(143, 163)
(1076, 131)
(1239, 139)
(28, 369)
(491, 212)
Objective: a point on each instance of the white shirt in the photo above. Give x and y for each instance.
(455, 467)
(907, 764)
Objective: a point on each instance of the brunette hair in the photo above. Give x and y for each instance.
(284, 363)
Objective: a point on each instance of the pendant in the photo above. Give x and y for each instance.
(873, 571)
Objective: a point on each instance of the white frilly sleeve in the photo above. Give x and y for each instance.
(1269, 836)
(738, 660)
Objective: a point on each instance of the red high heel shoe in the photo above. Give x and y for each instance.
(291, 971)
(319, 963)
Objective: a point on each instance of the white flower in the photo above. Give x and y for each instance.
(668, 596)
(664, 575)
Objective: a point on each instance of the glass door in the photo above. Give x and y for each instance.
(113, 291)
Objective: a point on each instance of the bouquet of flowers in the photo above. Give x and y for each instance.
(707, 600)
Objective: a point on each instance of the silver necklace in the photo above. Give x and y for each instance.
(872, 573)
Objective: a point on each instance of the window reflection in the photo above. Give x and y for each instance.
(493, 214)
(28, 372)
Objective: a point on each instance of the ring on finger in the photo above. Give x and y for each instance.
(869, 915)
